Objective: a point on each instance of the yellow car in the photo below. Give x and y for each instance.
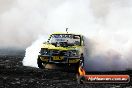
(62, 49)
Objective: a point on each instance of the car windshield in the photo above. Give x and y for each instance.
(69, 39)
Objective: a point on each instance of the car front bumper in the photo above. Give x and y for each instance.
(59, 59)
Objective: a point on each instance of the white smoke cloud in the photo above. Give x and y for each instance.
(32, 52)
(105, 23)
(21, 21)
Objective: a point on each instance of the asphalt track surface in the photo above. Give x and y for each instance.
(14, 75)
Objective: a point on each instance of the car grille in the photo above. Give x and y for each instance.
(59, 53)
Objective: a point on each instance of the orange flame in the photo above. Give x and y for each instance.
(81, 71)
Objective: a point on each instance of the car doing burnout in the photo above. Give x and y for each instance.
(62, 49)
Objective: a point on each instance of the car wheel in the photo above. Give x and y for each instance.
(40, 63)
(80, 79)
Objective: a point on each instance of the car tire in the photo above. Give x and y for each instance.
(40, 63)
(81, 80)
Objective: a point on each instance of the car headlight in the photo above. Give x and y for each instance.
(73, 53)
(44, 51)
